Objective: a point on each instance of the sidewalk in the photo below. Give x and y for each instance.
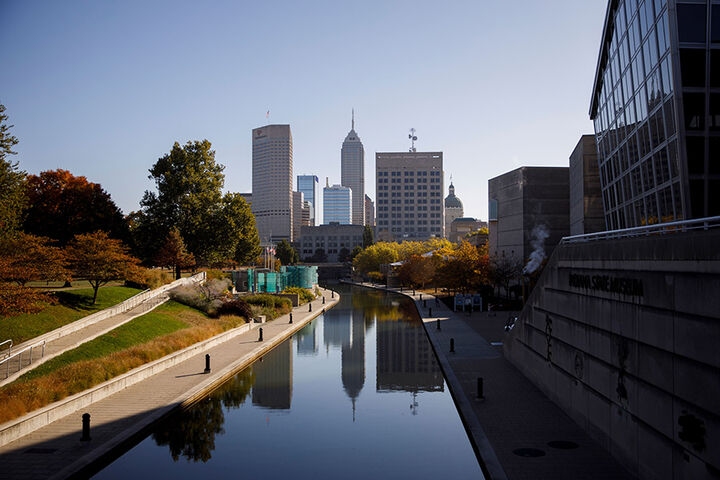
(514, 414)
(55, 451)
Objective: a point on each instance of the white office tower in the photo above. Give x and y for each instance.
(352, 173)
(272, 182)
(337, 201)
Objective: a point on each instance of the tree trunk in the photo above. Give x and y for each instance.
(177, 272)
(95, 291)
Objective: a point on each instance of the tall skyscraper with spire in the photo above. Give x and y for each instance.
(352, 172)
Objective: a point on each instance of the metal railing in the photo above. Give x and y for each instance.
(19, 356)
(655, 229)
(9, 352)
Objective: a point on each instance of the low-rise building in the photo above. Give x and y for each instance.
(461, 227)
(329, 243)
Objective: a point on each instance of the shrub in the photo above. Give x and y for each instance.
(376, 277)
(147, 278)
(269, 305)
(235, 307)
(206, 297)
(305, 294)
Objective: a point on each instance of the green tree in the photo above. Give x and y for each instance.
(99, 259)
(286, 253)
(236, 223)
(368, 236)
(12, 192)
(371, 258)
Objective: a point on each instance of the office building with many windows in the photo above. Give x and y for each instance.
(272, 175)
(310, 188)
(409, 196)
(656, 110)
(337, 201)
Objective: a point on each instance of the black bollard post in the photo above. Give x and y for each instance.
(207, 363)
(290, 317)
(332, 294)
(480, 392)
(309, 306)
(437, 322)
(401, 288)
(430, 312)
(421, 296)
(323, 300)
(413, 292)
(424, 303)
(452, 345)
(260, 339)
(85, 428)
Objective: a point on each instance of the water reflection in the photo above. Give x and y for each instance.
(299, 408)
(191, 433)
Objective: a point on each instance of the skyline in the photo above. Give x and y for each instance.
(482, 83)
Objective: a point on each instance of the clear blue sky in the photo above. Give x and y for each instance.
(104, 88)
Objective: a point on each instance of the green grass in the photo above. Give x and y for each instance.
(72, 305)
(160, 321)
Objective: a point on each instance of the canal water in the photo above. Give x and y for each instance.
(356, 394)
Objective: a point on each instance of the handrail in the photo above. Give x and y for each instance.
(654, 229)
(19, 355)
(9, 348)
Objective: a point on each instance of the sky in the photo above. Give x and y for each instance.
(104, 88)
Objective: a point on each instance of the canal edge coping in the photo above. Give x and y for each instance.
(19, 427)
(88, 461)
(490, 464)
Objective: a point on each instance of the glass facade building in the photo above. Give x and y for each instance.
(337, 202)
(309, 186)
(656, 111)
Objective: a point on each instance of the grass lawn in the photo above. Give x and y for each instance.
(170, 327)
(72, 305)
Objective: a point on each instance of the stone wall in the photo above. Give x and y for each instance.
(625, 336)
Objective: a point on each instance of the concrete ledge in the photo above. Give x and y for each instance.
(19, 427)
(87, 462)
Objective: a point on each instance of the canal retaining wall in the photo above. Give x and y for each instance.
(623, 334)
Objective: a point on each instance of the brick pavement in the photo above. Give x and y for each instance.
(55, 451)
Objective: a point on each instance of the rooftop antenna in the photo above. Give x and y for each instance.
(353, 119)
(412, 138)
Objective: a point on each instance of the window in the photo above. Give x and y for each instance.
(692, 67)
(691, 22)
(696, 154)
(694, 104)
(715, 24)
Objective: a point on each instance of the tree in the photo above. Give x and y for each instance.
(12, 191)
(368, 236)
(370, 259)
(62, 205)
(173, 253)
(286, 253)
(355, 252)
(504, 270)
(99, 259)
(189, 197)
(319, 256)
(30, 258)
(343, 255)
(417, 271)
(463, 267)
(15, 299)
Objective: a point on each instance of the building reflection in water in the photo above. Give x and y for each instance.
(273, 378)
(347, 331)
(307, 339)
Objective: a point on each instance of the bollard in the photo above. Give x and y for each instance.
(480, 393)
(424, 303)
(290, 317)
(413, 292)
(421, 296)
(309, 306)
(452, 345)
(323, 300)
(438, 324)
(260, 338)
(85, 428)
(401, 288)
(332, 293)
(207, 363)
(430, 312)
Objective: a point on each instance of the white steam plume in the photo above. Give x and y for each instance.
(539, 234)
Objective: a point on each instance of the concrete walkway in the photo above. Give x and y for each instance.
(514, 414)
(55, 451)
(72, 340)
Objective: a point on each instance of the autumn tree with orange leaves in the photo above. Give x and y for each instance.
(61, 205)
(28, 258)
(174, 254)
(99, 259)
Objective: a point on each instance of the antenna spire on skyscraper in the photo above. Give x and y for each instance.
(412, 138)
(353, 120)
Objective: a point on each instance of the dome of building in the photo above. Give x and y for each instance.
(451, 201)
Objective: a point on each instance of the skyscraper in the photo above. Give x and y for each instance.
(310, 188)
(337, 202)
(369, 211)
(657, 111)
(272, 173)
(409, 195)
(352, 172)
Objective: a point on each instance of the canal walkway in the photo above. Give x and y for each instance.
(55, 451)
(516, 429)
